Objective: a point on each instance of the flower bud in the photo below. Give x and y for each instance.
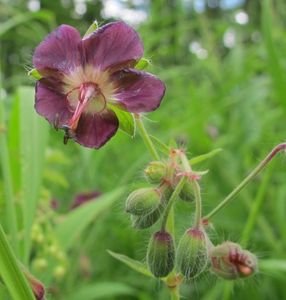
(155, 171)
(37, 286)
(192, 252)
(143, 201)
(230, 261)
(142, 222)
(187, 192)
(161, 254)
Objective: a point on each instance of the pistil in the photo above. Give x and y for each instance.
(87, 91)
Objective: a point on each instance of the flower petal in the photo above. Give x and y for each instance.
(94, 131)
(137, 91)
(113, 44)
(61, 51)
(51, 104)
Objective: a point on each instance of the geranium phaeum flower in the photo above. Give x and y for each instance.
(84, 78)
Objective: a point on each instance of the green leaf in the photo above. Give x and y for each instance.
(142, 64)
(56, 178)
(160, 145)
(34, 73)
(126, 120)
(33, 140)
(273, 266)
(204, 157)
(76, 221)
(102, 290)
(19, 18)
(91, 29)
(131, 263)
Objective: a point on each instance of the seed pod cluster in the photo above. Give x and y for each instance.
(147, 204)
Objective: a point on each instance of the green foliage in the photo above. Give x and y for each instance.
(233, 98)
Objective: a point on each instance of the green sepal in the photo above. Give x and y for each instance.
(91, 29)
(34, 73)
(126, 120)
(142, 64)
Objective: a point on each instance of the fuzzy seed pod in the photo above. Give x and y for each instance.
(142, 222)
(230, 261)
(187, 192)
(143, 201)
(155, 172)
(161, 254)
(192, 252)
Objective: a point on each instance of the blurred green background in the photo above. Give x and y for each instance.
(224, 65)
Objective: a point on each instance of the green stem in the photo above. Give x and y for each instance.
(146, 138)
(198, 213)
(172, 200)
(259, 168)
(175, 293)
(10, 272)
(197, 190)
(11, 220)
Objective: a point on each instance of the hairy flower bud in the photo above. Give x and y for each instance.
(155, 171)
(143, 201)
(161, 254)
(187, 192)
(142, 222)
(230, 261)
(192, 252)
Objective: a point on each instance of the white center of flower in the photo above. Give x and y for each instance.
(87, 91)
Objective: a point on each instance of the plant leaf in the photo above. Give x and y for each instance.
(33, 139)
(203, 157)
(102, 290)
(131, 263)
(74, 223)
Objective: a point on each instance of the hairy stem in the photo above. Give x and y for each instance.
(175, 293)
(146, 138)
(197, 190)
(172, 200)
(257, 170)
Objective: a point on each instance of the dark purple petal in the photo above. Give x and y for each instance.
(113, 44)
(94, 131)
(51, 104)
(61, 50)
(83, 198)
(138, 91)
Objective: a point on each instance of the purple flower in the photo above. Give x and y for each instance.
(84, 78)
(83, 198)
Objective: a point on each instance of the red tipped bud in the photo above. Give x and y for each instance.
(143, 201)
(192, 252)
(161, 254)
(230, 261)
(155, 172)
(36, 285)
